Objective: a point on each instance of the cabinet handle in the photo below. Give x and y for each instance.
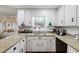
(23, 40)
(14, 48)
(72, 19)
(50, 40)
(39, 37)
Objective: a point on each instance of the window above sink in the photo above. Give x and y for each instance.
(41, 21)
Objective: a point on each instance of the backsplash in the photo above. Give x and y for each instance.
(72, 30)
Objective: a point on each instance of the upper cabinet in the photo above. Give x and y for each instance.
(24, 16)
(70, 15)
(77, 15)
(28, 18)
(66, 15)
(20, 17)
(60, 16)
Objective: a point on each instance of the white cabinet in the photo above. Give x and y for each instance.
(71, 50)
(14, 49)
(23, 45)
(19, 47)
(66, 15)
(10, 50)
(20, 17)
(14, 26)
(28, 18)
(77, 15)
(1, 27)
(47, 44)
(32, 44)
(41, 44)
(51, 44)
(70, 15)
(35, 44)
(60, 16)
(24, 16)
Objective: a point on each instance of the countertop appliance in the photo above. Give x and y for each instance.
(60, 31)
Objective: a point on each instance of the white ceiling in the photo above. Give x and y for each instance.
(12, 9)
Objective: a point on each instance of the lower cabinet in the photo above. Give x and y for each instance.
(14, 49)
(19, 47)
(40, 44)
(61, 47)
(32, 44)
(23, 45)
(71, 50)
(47, 44)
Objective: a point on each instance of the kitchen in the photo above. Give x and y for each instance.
(39, 29)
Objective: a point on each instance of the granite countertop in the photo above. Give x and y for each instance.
(9, 41)
(68, 39)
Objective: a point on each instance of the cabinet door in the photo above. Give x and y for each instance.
(60, 16)
(35, 44)
(32, 44)
(14, 26)
(14, 49)
(10, 50)
(28, 18)
(28, 44)
(23, 45)
(43, 43)
(20, 17)
(70, 15)
(77, 15)
(8, 26)
(1, 27)
(51, 44)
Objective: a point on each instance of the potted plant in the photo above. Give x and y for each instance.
(50, 24)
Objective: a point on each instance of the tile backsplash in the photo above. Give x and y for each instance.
(72, 30)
